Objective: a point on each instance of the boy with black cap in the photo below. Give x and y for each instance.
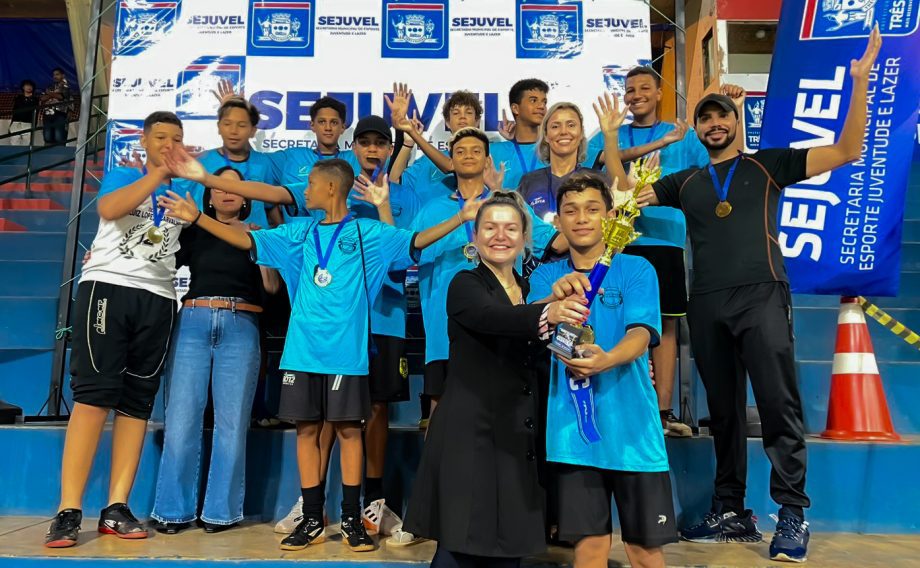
(740, 310)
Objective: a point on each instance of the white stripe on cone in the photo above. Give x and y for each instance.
(855, 363)
(851, 313)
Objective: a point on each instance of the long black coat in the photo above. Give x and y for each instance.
(477, 490)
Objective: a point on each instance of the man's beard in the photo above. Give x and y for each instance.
(729, 138)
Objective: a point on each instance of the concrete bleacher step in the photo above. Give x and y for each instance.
(49, 220)
(38, 245)
(31, 277)
(25, 204)
(9, 226)
(28, 322)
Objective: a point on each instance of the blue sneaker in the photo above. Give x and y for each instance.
(724, 527)
(790, 541)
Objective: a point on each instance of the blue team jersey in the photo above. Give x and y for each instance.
(328, 330)
(425, 178)
(661, 226)
(123, 176)
(258, 167)
(626, 405)
(297, 162)
(519, 159)
(388, 316)
(441, 261)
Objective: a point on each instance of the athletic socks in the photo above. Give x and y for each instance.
(351, 500)
(313, 500)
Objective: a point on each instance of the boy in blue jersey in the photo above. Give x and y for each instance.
(237, 121)
(461, 110)
(518, 155)
(123, 319)
(469, 149)
(664, 229)
(334, 268)
(629, 461)
(327, 121)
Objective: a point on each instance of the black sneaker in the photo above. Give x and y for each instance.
(212, 528)
(64, 529)
(309, 531)
(117, 519)
(170, 528)
(724, 527)
(355, 535)
(790, 541)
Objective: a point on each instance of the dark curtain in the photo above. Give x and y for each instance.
(31, 48)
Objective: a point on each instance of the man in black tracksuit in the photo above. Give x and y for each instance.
(740, 311)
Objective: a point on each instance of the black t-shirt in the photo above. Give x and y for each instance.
(741, 248)
(24, 107)
(217, 269)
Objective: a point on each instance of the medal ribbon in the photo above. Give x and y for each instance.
(722, 189)
(551, 195)
(236, 165)
(461, 202)
(322, 257)
(158, 212)
(520, 156)
(651, 136)
(321, 156)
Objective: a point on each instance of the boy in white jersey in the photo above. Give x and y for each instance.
(123, 319)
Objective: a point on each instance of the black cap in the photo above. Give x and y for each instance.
(373, 123)
(724, 102)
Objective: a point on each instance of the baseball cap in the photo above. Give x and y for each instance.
(373, 123)
(722, 101)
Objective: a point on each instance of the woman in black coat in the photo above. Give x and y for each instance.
(477, 491)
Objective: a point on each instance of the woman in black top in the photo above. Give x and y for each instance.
(477, 491)
(25, 105)
(216, 343)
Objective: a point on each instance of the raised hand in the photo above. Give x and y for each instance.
(609, 114)
(859, 69)
(178, 207)
(470, 209)
(679, 131)
(224, 91)
(735, 92)
(493, 178)
(376, 193)
(399, 107)
(651, 162)
(182, 164)
(506, 127)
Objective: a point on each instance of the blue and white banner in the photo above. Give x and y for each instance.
(286, 54)
(753, 119)
(841, 231)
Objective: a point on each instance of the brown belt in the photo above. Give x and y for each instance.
(215, 304)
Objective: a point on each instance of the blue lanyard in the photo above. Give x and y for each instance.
(651, 137)
(722, 189)
(322, 257)
(462, 202)
(520, 156)
(321, 156)
(158, 212)
(235, 165)
(551, 195)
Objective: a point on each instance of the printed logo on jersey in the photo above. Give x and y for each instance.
(835, 19)
(348, 245)
(549, 29)
(140, 24)
(123, 143)
(753, 119)
(198, 82)
(415, 29)
(281, 28)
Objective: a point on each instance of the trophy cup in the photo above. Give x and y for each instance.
(617, 233)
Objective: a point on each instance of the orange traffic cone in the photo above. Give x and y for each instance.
(857, 409)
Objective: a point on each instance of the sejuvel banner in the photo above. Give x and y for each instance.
(841, 232)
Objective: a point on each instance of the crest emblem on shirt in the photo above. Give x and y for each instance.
(415, 29)
(612, 297)
(348, 245)
(550, 29)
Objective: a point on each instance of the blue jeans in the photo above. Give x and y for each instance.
(219, 347)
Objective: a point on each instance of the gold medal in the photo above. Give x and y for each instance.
(470, 252)
(587, 335)
(155, 235)
(723, 209)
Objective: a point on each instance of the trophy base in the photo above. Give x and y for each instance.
(567, 339)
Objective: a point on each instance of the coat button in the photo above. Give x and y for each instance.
(525, 390)
(528, 422)
(531, 455)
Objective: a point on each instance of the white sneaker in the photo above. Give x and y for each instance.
(290, 522)
(380, 519)
(403, 538)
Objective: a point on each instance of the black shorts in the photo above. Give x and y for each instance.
(435, 378)
(312, 397)
(643, 499)
(672, 283)
(389, 378)
(120, 341)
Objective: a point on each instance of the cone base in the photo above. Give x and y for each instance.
(849, 435)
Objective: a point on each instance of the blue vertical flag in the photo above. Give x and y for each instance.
(841, 231)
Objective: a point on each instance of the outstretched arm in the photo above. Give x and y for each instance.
(610, 118)
(182, 164)
(399, 109)
(849, 145)
(119, 203)
(185, 209)
(595, 360)
(433, 234)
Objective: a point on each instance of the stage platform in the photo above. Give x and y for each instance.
(255, 545)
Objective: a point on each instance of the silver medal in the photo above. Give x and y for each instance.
(322, 277)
